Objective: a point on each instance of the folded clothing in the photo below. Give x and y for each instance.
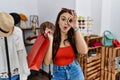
(30, 40)
(95, 44)
(116, 43)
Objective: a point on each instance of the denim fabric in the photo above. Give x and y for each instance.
(71, 71)
(15, 77)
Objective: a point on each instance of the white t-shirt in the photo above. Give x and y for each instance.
(17, 54)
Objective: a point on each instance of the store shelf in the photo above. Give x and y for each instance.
(28, 44)
(28, 28)
(91, 63)
(92, 48)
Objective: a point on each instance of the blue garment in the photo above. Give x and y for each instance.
(71, 71)
(15, 77)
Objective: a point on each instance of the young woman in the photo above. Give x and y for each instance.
(65, 44)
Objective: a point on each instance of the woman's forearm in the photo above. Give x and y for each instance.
(48, 56)
(81, 45)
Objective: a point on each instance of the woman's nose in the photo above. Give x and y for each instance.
(66, 22)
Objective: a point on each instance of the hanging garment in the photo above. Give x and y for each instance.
(17, 55)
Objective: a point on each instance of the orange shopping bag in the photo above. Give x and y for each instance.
(37, 52)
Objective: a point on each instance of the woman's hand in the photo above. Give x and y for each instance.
(49, 33)
(72, 21)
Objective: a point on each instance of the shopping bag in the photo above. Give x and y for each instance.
(37, 52)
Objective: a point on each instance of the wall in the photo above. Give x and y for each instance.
(105, 15)
(96, 15)
(83, 7)
(28, 7)
(111, 17)
(91, 8)
(48, 9)
(115, 18)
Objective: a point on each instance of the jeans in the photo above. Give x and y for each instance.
(71, 71)
(15, 77)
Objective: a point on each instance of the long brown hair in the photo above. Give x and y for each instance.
(57, 35)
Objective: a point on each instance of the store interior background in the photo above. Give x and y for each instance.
(105, 13)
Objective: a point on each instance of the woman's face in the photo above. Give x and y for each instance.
(63, 22)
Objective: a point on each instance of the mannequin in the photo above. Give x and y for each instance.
(16, 48)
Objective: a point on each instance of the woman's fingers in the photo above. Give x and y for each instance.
(69, 21)
(72, 20)
(48, 32)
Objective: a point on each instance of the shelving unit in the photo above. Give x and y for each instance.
(28, 28)
(25, 30)
(28, 32)
(91, 65)
(109, 69)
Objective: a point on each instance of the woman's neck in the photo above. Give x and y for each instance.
(64, 41)
(64, 36)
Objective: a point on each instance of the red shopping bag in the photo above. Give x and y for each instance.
(37, 52)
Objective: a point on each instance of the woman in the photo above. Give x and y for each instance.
(65, 44)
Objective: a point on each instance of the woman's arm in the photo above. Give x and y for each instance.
(80, 43)
(48, 56)
(79, 40)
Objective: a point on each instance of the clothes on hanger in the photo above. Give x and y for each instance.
(17, 55)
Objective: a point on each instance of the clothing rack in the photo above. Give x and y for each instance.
(7, 57)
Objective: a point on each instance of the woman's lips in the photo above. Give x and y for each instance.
(65, 28)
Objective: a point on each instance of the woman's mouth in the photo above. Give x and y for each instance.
(65, 28)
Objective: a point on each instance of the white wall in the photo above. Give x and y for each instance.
(115, 18)
(105, 15)
(28, 7)
(96, 15)
(91, 8)
(111, 17)
(48, 9)
(83, 7)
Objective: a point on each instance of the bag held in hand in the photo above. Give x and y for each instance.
(107, 38)
(37, 52)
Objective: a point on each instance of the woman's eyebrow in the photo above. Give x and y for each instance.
(63, 16)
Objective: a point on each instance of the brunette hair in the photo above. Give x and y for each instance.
(57, 35)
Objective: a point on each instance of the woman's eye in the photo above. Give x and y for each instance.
(63, 19)
(70, 20)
